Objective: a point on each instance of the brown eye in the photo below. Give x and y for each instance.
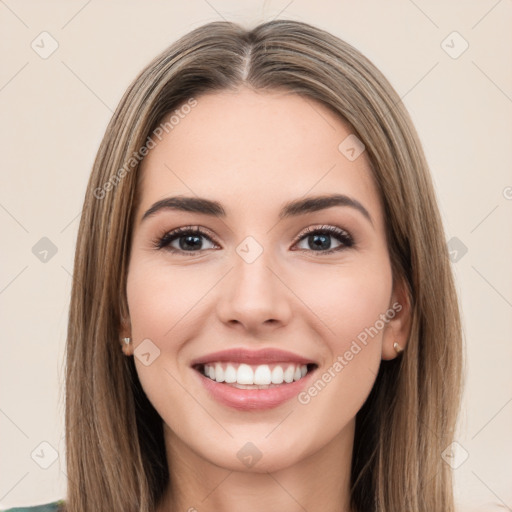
(184, 240)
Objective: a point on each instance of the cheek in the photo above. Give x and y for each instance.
(350, 303)
(163, 303)
(159, 297)
(349, 300)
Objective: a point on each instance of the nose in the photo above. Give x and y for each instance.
(254, 297)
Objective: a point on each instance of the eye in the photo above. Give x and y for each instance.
(189, 239)
(184, 240)
(318, 239)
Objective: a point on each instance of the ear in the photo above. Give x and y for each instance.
(125, 332)
(399, 314)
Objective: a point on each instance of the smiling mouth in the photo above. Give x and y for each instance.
(261, 376)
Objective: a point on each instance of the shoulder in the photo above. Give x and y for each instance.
(56, 506)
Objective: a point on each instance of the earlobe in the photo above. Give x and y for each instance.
(397, 331)
(127, 346)
(124, 337)
(398, 348)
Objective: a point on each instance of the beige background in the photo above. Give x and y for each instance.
(54, 112)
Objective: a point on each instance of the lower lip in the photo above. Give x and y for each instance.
(253, 399)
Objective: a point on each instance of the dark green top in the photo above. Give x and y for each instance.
(49, 507)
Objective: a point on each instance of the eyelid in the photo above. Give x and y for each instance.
(182, 230)
(344, 237)
(323, 227)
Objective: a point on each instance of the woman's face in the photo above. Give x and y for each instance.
(273, 285)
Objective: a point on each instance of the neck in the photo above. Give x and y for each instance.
(319, 482)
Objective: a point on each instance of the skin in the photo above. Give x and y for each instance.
(252, 152)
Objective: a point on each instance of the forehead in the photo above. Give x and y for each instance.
(253, 150)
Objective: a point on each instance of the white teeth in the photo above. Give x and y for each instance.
(262, 375)
(230, 374)
(245, 376)
(219, 373)
(288, 374)
(277, 375)
(249, 386)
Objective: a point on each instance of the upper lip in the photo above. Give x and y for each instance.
(261, 356)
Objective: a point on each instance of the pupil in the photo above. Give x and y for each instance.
(321, 241)
(196, 242)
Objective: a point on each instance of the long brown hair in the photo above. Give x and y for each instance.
(116, 458)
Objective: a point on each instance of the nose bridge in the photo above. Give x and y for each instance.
(253, 294)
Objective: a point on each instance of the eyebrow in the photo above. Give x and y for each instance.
(290, 209)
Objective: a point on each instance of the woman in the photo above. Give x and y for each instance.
(261, 237)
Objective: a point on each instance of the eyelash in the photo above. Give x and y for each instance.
(163, 242)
